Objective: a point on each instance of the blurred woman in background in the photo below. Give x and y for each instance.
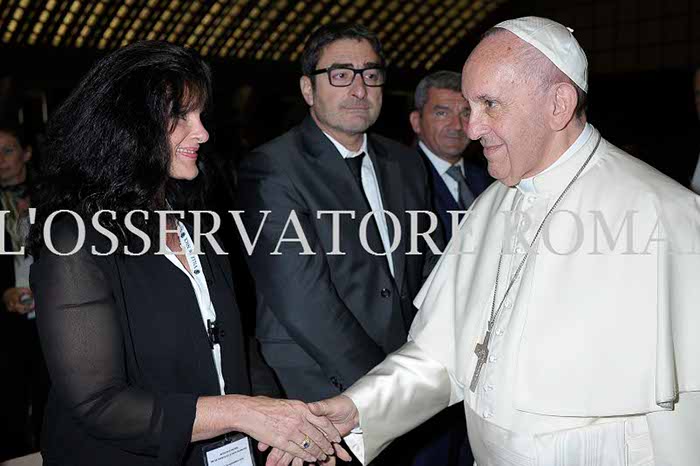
(25, 382)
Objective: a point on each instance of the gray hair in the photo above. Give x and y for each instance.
(438, 80)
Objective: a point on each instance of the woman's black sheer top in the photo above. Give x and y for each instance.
(128, 353)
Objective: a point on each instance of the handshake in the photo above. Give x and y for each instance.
(298, 432)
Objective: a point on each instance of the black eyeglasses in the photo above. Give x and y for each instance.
(343, 77)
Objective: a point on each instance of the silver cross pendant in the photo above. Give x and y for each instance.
(482, 353)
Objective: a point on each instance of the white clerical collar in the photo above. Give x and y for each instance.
(344, 151)
(440, 165)
(527, 185)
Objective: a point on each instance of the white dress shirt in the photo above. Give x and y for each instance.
(370, 185)
(441, 166)
(201, 291)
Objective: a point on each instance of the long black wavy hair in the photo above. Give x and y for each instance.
(108, 144)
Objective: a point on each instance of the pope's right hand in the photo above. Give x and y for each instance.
(340, 410)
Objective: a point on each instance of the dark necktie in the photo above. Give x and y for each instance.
(355, 165)
(466, 197)
(373, 237)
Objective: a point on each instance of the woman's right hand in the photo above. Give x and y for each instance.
(285, 424)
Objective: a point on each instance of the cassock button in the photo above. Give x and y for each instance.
(519, 250)
(386, 292)
(493, 358)
(508, 303)
(487, 414)
(336, 383)
(488, 387)
(499, 332)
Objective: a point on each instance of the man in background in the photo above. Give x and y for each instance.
(440, 121)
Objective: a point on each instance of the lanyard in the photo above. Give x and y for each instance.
(192, 258)
(206, 307)
(208, 313)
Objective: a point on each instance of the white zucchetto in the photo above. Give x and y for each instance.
(556, 42)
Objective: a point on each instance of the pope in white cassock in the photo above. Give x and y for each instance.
(565, 312)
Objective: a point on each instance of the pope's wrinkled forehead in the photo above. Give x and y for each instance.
(494, 63)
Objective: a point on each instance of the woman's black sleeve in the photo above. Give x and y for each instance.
(83, 343)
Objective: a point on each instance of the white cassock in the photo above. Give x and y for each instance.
(595, 356)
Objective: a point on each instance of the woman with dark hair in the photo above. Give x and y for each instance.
(145, 352)
(25, 382)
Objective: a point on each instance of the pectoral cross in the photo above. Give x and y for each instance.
(482, 353)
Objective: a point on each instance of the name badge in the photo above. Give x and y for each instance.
(233, 450)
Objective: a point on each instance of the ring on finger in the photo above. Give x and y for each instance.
(306, 443)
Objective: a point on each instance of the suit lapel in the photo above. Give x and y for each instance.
(389, 179)
(332, 169)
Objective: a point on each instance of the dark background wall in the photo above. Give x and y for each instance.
(642, 54)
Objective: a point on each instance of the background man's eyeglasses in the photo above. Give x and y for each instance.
(343, 77)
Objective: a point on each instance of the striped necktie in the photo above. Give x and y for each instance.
(466, 197)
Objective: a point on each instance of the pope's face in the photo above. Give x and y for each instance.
(507, 111)
(346, 110)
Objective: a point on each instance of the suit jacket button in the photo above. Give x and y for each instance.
(386, 292)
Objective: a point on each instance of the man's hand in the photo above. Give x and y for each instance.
(19, 300)
(340, 410)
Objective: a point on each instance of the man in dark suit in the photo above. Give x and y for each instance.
(440, 121)
(330, 307)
